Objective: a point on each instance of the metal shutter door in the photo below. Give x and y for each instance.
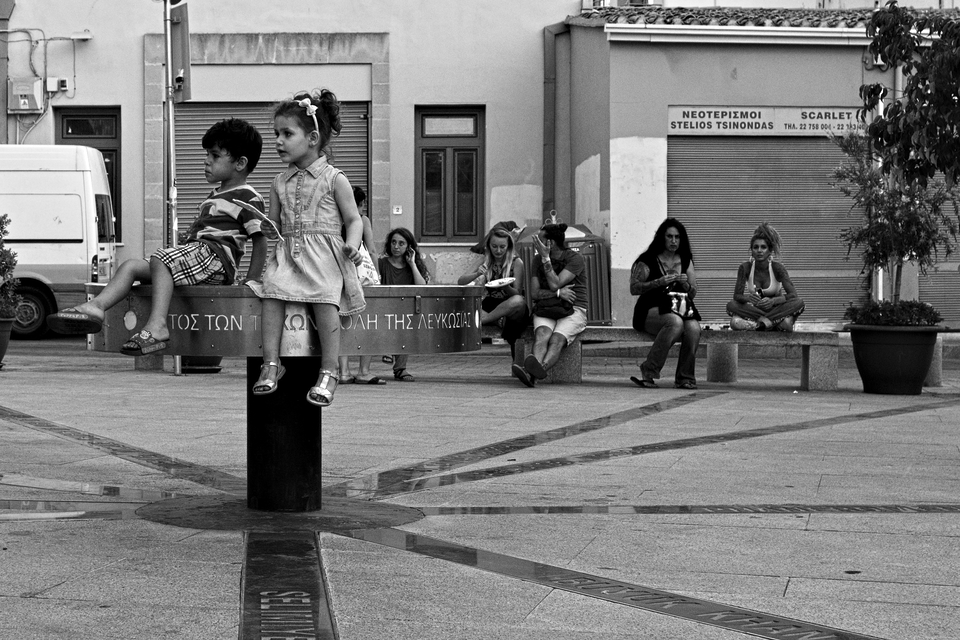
(349, 152)
(721, 188)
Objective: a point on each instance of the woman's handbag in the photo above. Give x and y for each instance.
(553, 308)
(365, 270)
(679, 303)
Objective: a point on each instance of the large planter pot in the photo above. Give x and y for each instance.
(6, 326)
(893, 360)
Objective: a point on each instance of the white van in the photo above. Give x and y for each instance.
(61, 227)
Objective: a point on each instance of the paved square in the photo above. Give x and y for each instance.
(598, 510)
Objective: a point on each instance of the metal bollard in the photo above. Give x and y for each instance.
(283, 440)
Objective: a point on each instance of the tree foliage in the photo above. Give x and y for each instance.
(896, 224)
(916, 134)
(9, 300)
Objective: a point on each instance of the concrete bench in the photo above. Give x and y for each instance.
(819, 352)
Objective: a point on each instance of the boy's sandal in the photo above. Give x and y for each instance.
(402, 375)
(265, 387)
(142, 344)
(646, 383)
(71, 321)
(375, 380)
(321, 395)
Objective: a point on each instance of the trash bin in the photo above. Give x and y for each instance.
(596, 255)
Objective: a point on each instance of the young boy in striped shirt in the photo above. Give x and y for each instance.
(214, 244)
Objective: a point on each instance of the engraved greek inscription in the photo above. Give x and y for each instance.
(224, 323)
(296, 322)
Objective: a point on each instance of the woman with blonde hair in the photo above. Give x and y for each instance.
(502, 273)
(764, 298)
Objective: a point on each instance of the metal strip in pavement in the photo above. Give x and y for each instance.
(678, 509)
(68, 505)
(24, 516)
(86, 488)
(657, 447)
(383, 484)
(283, 595)
(706, 612)
(177, 468)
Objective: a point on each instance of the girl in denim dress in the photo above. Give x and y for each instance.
(312, 263)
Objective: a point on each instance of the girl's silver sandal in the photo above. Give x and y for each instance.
(265, 387)
(321, 395)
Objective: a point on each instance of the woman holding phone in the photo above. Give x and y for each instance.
(401, 264)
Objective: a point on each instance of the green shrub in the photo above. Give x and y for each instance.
(910, 313)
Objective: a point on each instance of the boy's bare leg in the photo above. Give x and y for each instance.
(162, 282)
(345, 367)
(118, 288)
(365, 366)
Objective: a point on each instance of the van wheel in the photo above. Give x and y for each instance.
(31, 314)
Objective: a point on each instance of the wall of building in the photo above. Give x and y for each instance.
(590, 87)
(432, 53)
(646, 79)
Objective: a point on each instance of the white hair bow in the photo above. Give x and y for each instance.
(311, 108)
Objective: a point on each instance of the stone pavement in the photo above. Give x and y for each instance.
(586, 511)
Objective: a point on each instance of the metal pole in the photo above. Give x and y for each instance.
(170, 155)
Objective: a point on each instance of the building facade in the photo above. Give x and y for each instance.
(460, 115)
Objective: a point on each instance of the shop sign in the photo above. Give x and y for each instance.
(762, 121)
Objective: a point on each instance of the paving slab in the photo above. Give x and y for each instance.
(599, 510)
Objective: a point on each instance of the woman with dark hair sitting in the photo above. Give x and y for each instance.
(559, 294)
(764, 298)
(664, 278)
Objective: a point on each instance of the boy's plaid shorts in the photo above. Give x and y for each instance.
(193, 263)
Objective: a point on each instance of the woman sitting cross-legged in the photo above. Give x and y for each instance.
(764, 298)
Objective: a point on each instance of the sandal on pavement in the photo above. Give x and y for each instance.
(646, 383)
(265, 386)
(534, 367)
(142, 344)
(375, 380)
(521, 374)
(402, 375)
(686, 385)
(348, 379)
(322, 395)
(71, 321)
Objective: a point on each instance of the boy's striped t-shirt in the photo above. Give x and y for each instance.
(227, 218)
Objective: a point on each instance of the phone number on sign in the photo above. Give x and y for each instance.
(829, 126)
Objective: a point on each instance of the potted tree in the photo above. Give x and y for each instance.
(907, 213)
(9, 300)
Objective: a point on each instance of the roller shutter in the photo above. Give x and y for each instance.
(349, 152)
(721, 188)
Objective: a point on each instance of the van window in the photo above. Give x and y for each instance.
(43, 217)
(105, 223)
